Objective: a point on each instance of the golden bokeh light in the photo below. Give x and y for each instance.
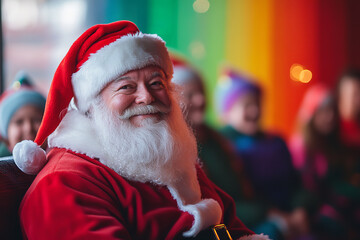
(295, 71)
(298, 73)
(305, 76)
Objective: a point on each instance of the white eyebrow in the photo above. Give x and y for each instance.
(156, 74)
(121, 78)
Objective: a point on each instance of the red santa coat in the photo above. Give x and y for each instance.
(77, 197)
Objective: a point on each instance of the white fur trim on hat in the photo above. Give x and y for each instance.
(29, 157)
(127, 53)
(255, 237)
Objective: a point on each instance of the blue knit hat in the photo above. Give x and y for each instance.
(14, 99)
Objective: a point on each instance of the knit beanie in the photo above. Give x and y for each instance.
(231, 86)
(14, 99)
(315, 97)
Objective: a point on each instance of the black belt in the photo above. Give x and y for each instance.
(217, 232)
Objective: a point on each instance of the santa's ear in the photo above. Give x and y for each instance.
(73, 106)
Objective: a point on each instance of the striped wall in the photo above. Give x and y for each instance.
(261, 37)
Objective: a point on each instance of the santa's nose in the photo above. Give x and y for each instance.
(144, 96)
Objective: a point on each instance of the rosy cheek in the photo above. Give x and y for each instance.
(120, 103)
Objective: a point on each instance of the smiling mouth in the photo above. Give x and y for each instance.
(157, 114)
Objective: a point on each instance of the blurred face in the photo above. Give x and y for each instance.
(349, 99)
(244, 115)
(324, 119)
(194, 101)
(145, 87)
(24, 125)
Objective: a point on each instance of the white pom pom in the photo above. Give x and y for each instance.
(29, 157)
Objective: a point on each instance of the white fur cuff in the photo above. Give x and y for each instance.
(206, 213)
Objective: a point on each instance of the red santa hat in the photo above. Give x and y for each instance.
(98, 56)
(184, 72)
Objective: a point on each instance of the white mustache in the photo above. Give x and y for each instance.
(142, 110)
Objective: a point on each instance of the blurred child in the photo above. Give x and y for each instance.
(322, 160)
(215, 152)
(316, 142)
(265, 157)
(21, 111)
(315, 146)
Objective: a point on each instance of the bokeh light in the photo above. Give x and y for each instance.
(305, 76)
(295, 71)
(299, 74)
(201, 6)
(197, 49)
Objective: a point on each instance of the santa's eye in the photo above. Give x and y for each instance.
(158, 84)
(126, 88)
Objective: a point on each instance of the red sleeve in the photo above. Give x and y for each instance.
(233, 223)
(69, 206)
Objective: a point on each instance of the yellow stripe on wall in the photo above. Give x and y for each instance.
(248, 43)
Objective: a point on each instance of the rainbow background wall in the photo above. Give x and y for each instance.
(262, 37)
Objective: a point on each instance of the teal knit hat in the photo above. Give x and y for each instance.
(14, 99)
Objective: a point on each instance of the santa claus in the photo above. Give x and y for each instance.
(122, 162)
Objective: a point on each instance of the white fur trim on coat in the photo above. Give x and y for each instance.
(127, 53)
(255, 237)
(75, 132)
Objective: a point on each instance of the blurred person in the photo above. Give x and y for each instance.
(316, 148)
(266, 158)
(216, 153)
(320, 157)
(21, 111)
(122, 162)
(316, 143)
(348, 96)
(348, 100)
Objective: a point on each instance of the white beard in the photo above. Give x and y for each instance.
(161, 152)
